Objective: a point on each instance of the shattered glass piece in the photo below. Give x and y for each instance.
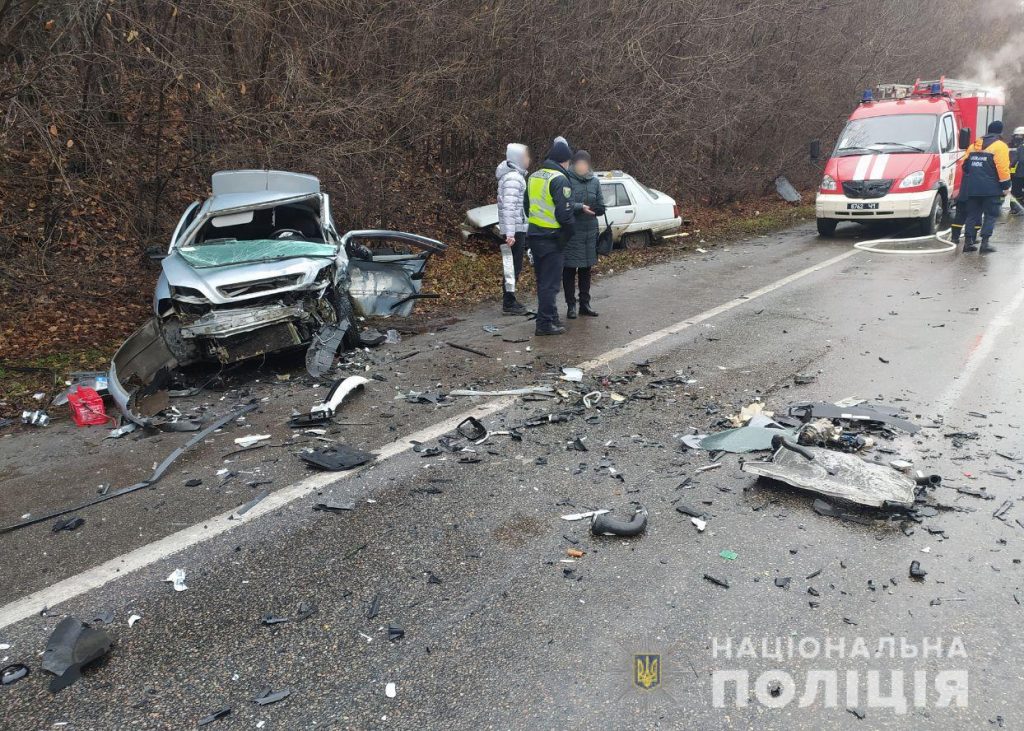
(837, 475)
(325, 345)
(335, 506)
(745, 439)
(337, 457)
(72, 646)
(266, 697)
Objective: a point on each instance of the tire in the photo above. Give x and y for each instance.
(636, 240)
(929, 225)
(827, 227)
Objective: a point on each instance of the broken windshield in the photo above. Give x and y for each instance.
(227, 252)
(893, 133)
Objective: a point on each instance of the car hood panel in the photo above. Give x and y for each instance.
(210, 280)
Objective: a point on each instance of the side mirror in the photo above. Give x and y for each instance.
(965, 138)
(815, 150)
(155, 253)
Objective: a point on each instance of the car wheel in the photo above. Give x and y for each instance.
(827, 227)
(929, 225)
(636, 240)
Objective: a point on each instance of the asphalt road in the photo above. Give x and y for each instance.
(470, 558)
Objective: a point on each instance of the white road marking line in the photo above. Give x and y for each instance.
(1006, 316)
(861, 170)
(878, 169)
(144, 556)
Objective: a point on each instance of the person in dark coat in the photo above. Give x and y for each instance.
(581, 249)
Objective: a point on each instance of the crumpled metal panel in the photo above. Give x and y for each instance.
(838, 475)
(136, 363)
(224, 323)
(376, 288)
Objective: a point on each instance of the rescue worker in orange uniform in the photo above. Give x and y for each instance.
(987, 179)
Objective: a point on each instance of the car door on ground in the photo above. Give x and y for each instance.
(621, 209)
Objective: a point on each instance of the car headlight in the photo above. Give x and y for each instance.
(828, 183)
(913, 180)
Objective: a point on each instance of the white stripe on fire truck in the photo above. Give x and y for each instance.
(861, 171)
(878, 169)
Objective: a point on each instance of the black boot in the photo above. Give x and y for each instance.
(570, 311)
(986, 248)
(553, 329)
(969, 246)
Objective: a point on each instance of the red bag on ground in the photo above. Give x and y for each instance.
(87, 407)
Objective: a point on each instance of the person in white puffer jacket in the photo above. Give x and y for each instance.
(511, 175)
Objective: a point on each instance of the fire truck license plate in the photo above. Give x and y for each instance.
(862, 206)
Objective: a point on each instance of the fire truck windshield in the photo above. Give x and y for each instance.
(893, 133)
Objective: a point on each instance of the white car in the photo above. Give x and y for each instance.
(637, 214)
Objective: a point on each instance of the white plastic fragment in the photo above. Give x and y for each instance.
(390, 690)
(701, 524)
(571, 374)
(133, 619)
(177, 577)
(582, 516)
(250, 440)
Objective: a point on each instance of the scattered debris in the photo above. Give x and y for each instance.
(68, 524)
(177, 578)
(878, 414)
(786, 190)
(325, 411)
(303, 611)
(251, 440)
(72, 646)
(571, 374)
(133, 619)
(216, 715)
(603, 525)
(13, 673)
(370, 338)
(335, 506)
(471, 429)
(835, 474)
(699, 523)
(336, 457)
(120, 431)
(783, 581)
(153, 479)
(267, 696)
(390, 690)
(245, 508)
(582, 516)
(527, 391)
(395, 632)
(35, 418)
(467, 349)
(728, 555)
(715, 580)
(916, 572)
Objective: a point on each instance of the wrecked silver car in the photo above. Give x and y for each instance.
(260, 267)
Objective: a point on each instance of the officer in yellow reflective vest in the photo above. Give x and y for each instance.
(548, 204)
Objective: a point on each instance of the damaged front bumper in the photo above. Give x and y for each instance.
(136, 365)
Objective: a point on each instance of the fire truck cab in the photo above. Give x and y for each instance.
(898, 156)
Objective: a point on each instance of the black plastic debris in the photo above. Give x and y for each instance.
(690, 511)
(151, 480)
(604, 524)
(916, 572)
(471, 429)
(577, 445)
(872, 414)
(335, 506)
(370, 338)
(783, 582)
(374, 609)
(323, 348)
(13, 673)
(337, 457)
(268, 696)
(72, 646)
(194, 482)
(216, 715)
(716, 581)
(252, 503)
(395, 632)
(856, 712)
(68, 524)
(432, 578)
(104, 616)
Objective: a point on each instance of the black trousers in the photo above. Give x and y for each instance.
(982, 212)
(518, 249)
(548, 258)
(569, 275)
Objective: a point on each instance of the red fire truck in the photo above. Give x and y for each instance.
(897, 157)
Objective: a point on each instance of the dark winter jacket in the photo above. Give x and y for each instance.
(581, 251)
(987, 168)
